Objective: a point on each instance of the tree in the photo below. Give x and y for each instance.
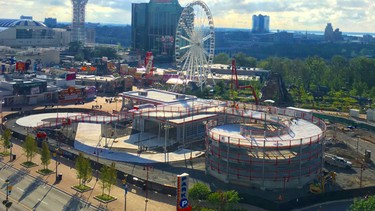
(45, 156)
(221, 58)
(112, 176)
(6, 139)
(29, 147)
(224, 200)
(75, 46)
(103, 177)
(105, 51)
(84, 170)
(199, 191)
(243, 60)
(108, 177)
(366, 204)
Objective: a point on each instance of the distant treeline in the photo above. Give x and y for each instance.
(350, 77)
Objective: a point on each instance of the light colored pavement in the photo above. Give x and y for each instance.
(34, 194)
(135, 196)
(87, 140)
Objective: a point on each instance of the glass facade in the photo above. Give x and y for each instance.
(154, 27)
(34, 34)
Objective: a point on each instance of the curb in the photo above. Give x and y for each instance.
(53, 186)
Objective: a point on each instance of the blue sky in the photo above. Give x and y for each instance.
(348, 15)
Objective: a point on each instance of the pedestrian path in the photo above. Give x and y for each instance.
(135, 196)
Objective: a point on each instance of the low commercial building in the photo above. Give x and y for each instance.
(27, 32)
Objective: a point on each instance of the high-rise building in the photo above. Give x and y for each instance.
(261, 24)
(78, 23)
(50, 22)
(154, 27)
(332, 36)
(328, 32)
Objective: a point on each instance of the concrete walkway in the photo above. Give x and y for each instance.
(135, 196)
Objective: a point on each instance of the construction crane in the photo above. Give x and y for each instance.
(234, 83)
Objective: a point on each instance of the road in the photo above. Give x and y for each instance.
(333, 205)
(29, 193)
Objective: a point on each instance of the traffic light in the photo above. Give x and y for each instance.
(10, 189)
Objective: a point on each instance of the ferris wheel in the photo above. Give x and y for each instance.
(195, 43)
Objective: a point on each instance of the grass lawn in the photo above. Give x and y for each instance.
(29, 164)
(105, 198)
(81, 188)
(45, 172)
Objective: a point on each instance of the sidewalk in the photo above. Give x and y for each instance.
(135, 196)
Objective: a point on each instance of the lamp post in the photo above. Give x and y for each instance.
(10, 147)
(7, 182)
(56, 155)
(96, 152)
(124, 183)
(147, 167)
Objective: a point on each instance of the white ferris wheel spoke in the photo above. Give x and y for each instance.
(187, 39)
(206, 38)
(185, 47)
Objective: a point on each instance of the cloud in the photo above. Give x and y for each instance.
(348, 15)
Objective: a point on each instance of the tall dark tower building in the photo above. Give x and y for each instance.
(261, 24)
(154, 27)
(78, 23)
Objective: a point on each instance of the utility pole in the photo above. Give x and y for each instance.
(360, 179)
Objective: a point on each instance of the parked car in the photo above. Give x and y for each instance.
(337, 161)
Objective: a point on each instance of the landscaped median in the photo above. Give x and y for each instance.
(104, 198)
(29, 164)
(45, 172)
(81, 188)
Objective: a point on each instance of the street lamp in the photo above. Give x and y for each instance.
(96, 152)
(147, 167)
(6, 202)
(56, 155)
(11, 147)
(124, 183)
(7, 182)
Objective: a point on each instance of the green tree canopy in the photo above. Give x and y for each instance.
(222, 58)
(6, 139)
(246, 61)
(45, 156)
(224, 200)
(30, 148)
(363, 204)
(84, 170)
(108, 177)
(199, 191)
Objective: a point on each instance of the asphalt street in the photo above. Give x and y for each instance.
(333, 205)
(29, 193)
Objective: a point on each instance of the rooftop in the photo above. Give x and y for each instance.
(157, 96)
